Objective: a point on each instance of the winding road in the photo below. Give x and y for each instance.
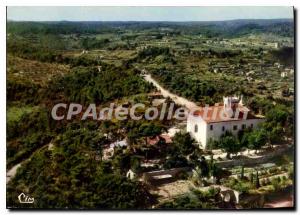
(165, 93)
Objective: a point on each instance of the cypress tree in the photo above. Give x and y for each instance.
(257, 180)
(251, 177)
(242, 173)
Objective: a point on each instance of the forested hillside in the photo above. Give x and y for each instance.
(62, 162)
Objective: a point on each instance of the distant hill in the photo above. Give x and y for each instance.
(282, 27)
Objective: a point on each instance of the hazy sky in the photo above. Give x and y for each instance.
(146, 13)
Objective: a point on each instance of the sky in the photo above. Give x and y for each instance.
(94, 13)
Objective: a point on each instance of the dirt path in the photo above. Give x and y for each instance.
(177, 99)
(10, 174)
(284, 202)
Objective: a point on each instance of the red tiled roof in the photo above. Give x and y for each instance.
(152, 141)
(155, 140)
(167, 138)
(214, 114)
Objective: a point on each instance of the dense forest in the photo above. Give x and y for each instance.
(72, 176)
(30, 130)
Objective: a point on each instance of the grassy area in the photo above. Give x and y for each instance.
(33, 71)
(14, 114)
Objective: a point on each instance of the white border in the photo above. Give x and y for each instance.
(154, 3)
(107, 3)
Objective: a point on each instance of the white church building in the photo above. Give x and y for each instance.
(211, 122)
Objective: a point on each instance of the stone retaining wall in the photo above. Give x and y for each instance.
(253, 161)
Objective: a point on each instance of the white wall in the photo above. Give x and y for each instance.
(200, 135)
(217, 127)
(204, 132)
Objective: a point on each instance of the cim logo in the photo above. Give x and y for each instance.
(24, 199)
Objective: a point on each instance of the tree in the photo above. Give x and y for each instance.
(175, 161)
(149, 130)
(251, 177)
(194, 157)
(257, 185)
(257, 139)
(204, 167)
(211, 161)
(184, 143)
(274, 132)
(277, 114)
(275, 136)
(135, 163)
(211, 144)
(121, 161)
(229, 144)
(83, 181)
(242, 172)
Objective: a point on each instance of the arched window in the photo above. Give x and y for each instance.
(196, 128)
